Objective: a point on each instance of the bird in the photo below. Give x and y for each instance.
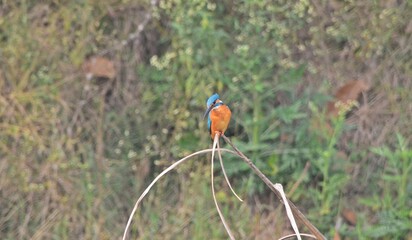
(218, 115)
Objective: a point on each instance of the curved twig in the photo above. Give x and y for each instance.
(224, 172)
(161, 175)
(295, 210)
(216, 140)
(293, 235)
(289, 213)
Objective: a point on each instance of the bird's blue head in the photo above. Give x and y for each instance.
(212, 99)
(212, 102)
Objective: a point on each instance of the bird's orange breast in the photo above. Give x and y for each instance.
(220, 118)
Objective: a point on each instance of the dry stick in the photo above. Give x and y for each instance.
(224, 172)
(216, 140)
(293, 235)
(289, 213)
(161, 175)
(295, 210)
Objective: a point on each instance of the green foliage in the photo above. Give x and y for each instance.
(393, 204)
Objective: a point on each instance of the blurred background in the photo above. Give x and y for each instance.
(98, 97)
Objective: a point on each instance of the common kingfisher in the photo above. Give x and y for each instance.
(218, 115)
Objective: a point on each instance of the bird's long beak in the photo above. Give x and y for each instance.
(208, 110)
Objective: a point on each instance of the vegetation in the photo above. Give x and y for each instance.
(76, 152)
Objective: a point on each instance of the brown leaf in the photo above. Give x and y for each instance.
(99, 67)
(345, 94)
(349, 215)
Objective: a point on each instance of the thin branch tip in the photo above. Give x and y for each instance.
(224, 173)
(222, 218)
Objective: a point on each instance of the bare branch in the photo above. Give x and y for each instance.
(224, 172)
(289, 213)
(298, 215)
(302, 234)
(161, 175)
(216, 140)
